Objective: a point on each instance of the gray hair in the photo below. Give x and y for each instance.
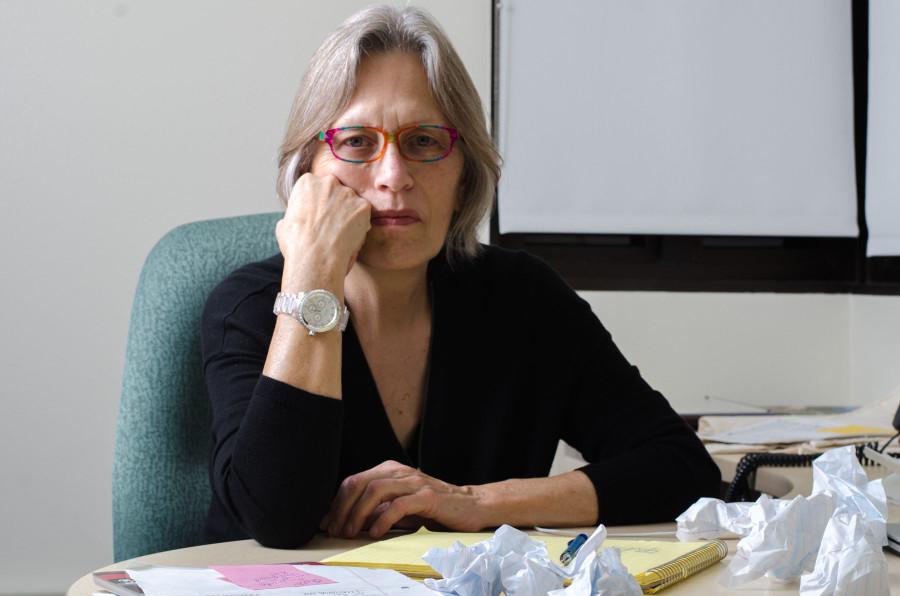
(329, 83)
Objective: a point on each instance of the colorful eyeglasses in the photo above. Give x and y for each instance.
(365, 144)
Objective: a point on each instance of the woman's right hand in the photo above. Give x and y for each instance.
(323, 228)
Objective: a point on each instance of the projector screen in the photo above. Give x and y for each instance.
(702, 117)
(883, 152)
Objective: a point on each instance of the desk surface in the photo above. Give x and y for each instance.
(784, 481)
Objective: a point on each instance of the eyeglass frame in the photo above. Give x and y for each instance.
(327, 136)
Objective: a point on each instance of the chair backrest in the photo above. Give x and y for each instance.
(160, 486)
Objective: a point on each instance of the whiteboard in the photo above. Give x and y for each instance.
(707, 117)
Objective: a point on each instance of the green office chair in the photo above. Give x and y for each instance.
(160, 487)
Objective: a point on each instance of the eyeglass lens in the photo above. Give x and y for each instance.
(360, 144)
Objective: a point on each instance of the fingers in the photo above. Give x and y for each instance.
(378, 494)
(354, 487)
(376, 513)
(323, 217)
(393, 494)
(315, 197)
(309, 186)
(421, 503)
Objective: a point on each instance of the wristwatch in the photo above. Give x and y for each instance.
(317, 310)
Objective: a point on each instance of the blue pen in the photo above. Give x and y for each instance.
(574, 544)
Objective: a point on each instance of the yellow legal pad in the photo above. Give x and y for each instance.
(856, 429)
(655, 564)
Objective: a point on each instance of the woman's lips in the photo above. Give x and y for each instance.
(398, 218)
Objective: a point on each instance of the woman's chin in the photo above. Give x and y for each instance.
(391, 262)
(396, 255)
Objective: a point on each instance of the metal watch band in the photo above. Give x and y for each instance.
(290, 304)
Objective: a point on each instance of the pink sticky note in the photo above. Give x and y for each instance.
(267, 577)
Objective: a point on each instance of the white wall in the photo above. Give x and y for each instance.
(760, 349)
(120, 120)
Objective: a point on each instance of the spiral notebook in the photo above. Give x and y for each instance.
(655, 564)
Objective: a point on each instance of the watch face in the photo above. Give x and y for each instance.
(319, 310)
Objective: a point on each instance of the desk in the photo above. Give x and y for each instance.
(787, 482)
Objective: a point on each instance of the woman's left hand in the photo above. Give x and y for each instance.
(392, 494)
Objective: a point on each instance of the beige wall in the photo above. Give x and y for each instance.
(752, 348)
(874, 347)
(122, 119)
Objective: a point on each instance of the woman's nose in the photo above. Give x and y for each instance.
(393, 171)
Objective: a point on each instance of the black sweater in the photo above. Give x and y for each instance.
(518, 361)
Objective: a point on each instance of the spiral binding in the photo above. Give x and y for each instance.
(663, 576)
(739, 489)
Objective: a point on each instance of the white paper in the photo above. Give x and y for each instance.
(510, 557)
(188, 581)
(850, 561)
(513, 563)
(871, 420)
(806, 536)
(840, 472)
(794, 429)
(594, 541)
(602, 574)
(465, 570)
(713, 518)
(783, 541)
(527, 577)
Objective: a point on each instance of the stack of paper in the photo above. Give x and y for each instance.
(740, 433)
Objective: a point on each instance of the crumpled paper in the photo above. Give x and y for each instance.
(840, 472)
(713, 518)
(850, 560)
(510, 556)
(783, 541)
(789, 539)
(602, 574)
(513, 563)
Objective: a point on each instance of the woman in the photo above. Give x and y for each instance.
(461, 367)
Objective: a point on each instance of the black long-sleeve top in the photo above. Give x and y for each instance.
(517, 362)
